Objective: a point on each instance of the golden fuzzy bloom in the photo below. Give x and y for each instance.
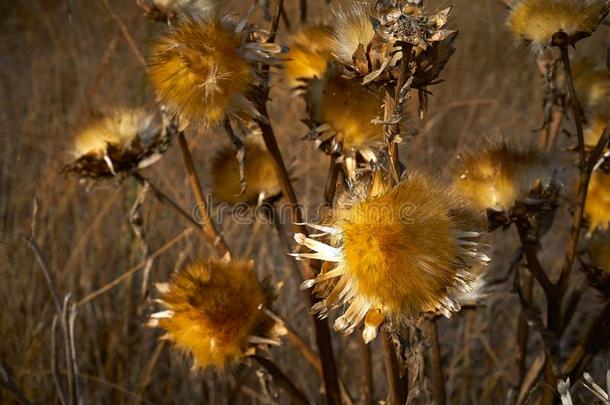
(398, 252)
(119, 128)
(309, 53)
(214, 312)
(351, 28)
(599, 251)
(259, 174)
(538, 20)
(597, 206)
(198, 71)
(498, 175)
(592, 85)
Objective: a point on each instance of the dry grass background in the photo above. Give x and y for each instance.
(56, 72)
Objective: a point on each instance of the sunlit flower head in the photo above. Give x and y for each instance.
(352, 28)
(216, 312)
(118, 141)
(537, 21)
(392, 253)
(595, 128)
(202, 69)
(342, 112)
(498, 175)
(308, 55)
(259, 174)
(597, 206)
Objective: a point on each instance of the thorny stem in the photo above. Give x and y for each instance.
(207, 226)
(322, 333)
(366, 369)
(296, 395)
(436, 363)
(397, 394)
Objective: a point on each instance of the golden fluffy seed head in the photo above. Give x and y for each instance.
(212, 309)
(401, 248)
(351, 28)
(592, 85)
(597, 206)
(538, 20)
(394, 252)
(198, 71)
(349, 108)
(599, 251)
(119, 128)
(308, 56)
(259, 174)
(499, 175)
(595, 128)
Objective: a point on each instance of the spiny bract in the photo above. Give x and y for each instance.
(309, 53)
(261, 181)
(199, 72)
(597, 206)
(119, 128)
(395, 252)
(537, 21)
(215, 312)
(499, 175)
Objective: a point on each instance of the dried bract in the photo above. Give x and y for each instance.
(119, 142)
(215, 312)
(392, 253)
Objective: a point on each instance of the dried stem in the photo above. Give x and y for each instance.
(436, 362)
(523, 330)
(303, 11)
(296, 395)
(207, 226)
(366, 370)
(397, 394)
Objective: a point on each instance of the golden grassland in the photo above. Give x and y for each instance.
(57, 71)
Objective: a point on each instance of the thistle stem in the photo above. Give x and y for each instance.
(366, 369)
(397, 393)
(296, 395)
(207, 226)
(436, 363)
(523, 330)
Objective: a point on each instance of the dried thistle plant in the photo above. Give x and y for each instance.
(499, 175)
(215, 311)
(537, 21)
(205, 69)
(166, 10)
(392, 253)
(118, 142)
(259, 174)
(341, 118)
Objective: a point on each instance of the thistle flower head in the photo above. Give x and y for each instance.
(394, 252)
(201, 69)
(118, 141)
(341, 116)
(499, 175)
(597, 206)
(308, 55)
(595, 128)
(370, 38)
(215, 312)
(537, 21)
(259, 174)
(592, 86)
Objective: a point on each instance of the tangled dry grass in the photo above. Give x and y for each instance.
(63, 62)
